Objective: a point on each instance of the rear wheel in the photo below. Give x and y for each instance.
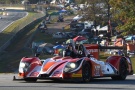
(86, 72)
(122, 70)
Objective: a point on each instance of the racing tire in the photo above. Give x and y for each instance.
(30, 79)
(86, 72)
(122, 70)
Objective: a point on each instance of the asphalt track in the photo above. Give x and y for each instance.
(7, 83)
(12, 16)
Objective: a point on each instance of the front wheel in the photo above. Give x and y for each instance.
(86, 72)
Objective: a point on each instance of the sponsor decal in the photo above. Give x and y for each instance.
(76, 75)
(92, 50)
(97, 71)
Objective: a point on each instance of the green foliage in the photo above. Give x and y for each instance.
(94, 11)
(124, 11)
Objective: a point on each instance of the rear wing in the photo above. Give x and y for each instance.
(92, 49)
(95, 48)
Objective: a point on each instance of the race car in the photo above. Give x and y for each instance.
(84, 67)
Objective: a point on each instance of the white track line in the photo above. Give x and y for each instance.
(13, 22)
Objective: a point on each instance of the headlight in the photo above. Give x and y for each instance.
(69, 67)
(22, 64)
(72, 65)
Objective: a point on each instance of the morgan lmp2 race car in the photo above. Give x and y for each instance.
(84, 67)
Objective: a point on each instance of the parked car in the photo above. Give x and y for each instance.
(39, 50)
(48, 50)
(59, 35)
(78, 17)
(70, 34)
(45, 50)
(85, 30)
(78, 27)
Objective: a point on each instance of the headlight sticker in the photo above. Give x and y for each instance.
(73, 66)
(24, 66)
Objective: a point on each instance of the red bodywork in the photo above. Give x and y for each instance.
(93, 49)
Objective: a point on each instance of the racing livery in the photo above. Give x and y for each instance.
(84, 67)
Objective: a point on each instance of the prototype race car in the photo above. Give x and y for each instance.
(83, 67)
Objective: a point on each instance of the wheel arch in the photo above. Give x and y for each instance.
(122, 70)
(115, 61)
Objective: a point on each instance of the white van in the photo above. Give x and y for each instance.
(88, 24)
(53, 2)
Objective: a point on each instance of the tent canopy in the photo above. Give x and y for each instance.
(130, 38)
(45, 44)
(105, 28)
(79, 38)
(58, 47)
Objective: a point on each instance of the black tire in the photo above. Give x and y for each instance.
(86, 72)
(30, 79)
(122, 70)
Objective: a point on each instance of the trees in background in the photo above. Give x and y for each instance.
(121, 12)
(124, 13)
(95, 10)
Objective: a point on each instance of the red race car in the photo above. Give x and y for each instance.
(83, 66)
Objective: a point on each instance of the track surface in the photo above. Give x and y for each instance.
(6, 83)
(11, 17)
